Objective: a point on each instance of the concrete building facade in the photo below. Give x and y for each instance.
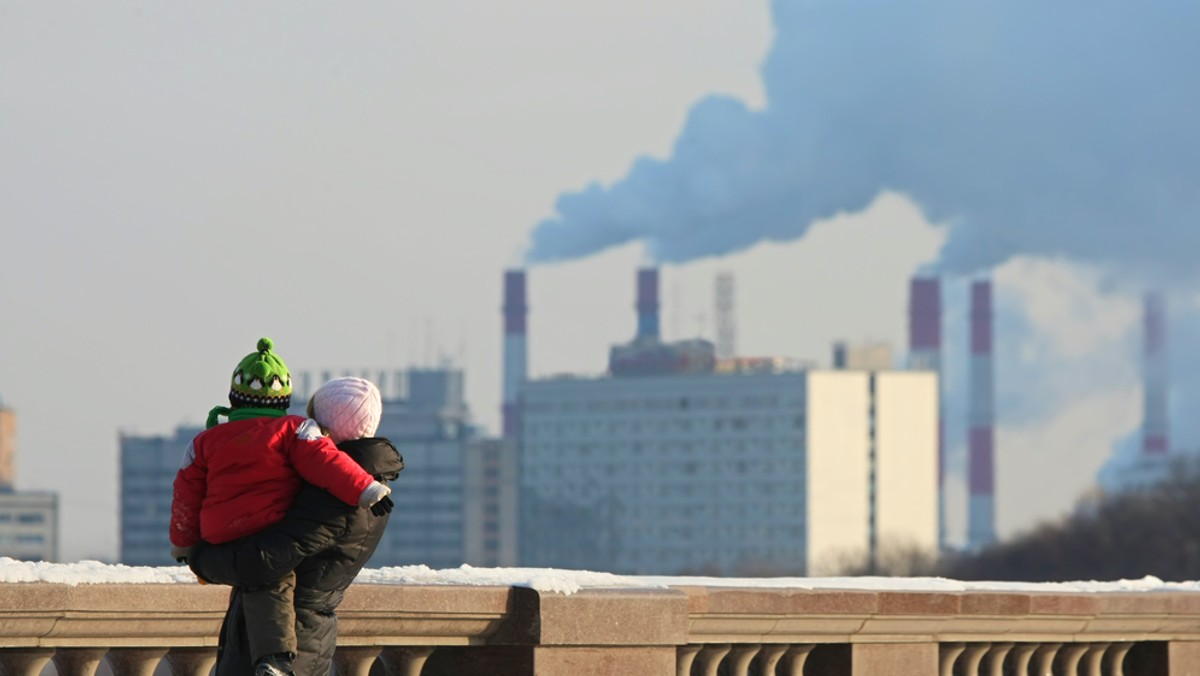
(787, 472)
(29, 525)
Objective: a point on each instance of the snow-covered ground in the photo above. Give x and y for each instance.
(568, 581)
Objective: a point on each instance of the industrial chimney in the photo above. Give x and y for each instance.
(925, 354)
(1155, 429)
(516, 349)
(981, 509)
(647, 305)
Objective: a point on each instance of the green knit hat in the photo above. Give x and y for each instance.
(261, 380)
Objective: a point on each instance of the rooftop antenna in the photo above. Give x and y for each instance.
(726, 321)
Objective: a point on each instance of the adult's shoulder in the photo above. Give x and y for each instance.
(377, 455)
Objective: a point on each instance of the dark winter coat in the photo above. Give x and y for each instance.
(325, 541)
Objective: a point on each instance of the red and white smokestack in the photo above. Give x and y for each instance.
(647, 304)
(981, 507)
(1155, 439)
(516, 350)
(925, 354)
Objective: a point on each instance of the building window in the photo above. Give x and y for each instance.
(34, 517)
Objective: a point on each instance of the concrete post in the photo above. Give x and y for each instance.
(603, 661)
(1183, 658)
(895, 659)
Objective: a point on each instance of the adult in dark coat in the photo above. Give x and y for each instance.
(325, 541)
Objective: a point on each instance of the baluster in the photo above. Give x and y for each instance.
(1022, 657)
(771, 655)
(797, 655)
(78, 661)
(191, 661)
(1070, 657)
(1043, 659)
(135, 661)
(354, 660)
(972, 656)
(1115, 658)
(947, 656)
(740, 658)
(405, 661)
(684, 656)
(24, 661)
(995, 658)
(710, 658)
(1094, 658)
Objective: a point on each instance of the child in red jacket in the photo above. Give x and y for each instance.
(240, 476)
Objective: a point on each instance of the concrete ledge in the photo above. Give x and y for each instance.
(185, 615)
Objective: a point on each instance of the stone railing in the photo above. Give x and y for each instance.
(397, 630)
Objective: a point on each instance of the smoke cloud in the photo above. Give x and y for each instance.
(1057, 129)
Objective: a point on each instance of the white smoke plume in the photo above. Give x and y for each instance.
(1058, 129)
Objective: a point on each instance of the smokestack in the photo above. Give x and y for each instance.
(925, 354)
(1155, 428)
(647, 304)
(516, 349)
(981, 510)
(925, 324)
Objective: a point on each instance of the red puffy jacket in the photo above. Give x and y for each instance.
(240, 477)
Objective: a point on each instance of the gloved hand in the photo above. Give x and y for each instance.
(373, 494)
(382, 507)
(181, 554)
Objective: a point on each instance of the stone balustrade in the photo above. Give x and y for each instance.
(399, 630)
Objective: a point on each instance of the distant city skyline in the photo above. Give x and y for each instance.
(354, 182)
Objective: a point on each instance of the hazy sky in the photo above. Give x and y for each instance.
(352, 180)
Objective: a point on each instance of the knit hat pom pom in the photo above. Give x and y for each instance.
(265, 344)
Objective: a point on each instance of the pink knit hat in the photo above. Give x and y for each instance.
(348, 407)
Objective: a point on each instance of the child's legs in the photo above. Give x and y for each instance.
(271, 618)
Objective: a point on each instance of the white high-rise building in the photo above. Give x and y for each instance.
(765, 472)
